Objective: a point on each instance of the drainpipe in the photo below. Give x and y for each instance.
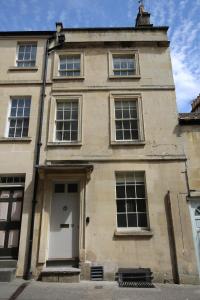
(28, 273)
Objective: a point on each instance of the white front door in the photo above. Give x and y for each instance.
(195, 214)
(64, 222)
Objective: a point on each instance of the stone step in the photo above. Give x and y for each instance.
(8, 263)
(7, 274)
(60, 274)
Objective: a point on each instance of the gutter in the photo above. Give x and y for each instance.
(28, 273)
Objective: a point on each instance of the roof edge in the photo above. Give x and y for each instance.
(26, 33)
(145, 28)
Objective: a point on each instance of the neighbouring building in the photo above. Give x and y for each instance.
(90, 134)
(190, 132)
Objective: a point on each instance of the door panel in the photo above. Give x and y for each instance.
(10, 221)
(64, 224)
(13, 238)
(3, 211)
(2, 238)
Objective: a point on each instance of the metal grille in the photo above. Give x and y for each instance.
(136, 284)
(96, 273)
(139, 278)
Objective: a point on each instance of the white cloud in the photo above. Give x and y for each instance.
(187, 85)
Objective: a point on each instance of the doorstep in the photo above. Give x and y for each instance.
(60, 274)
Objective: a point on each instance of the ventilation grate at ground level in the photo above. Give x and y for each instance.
(96, 273)
(136, 284)
(135, 277)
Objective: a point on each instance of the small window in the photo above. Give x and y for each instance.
(197, 211)
(131, 200)
(124, 65)
(70, 65)
(59, 188)
(26, 56)
(67, 121)
(72, 188)
(126, 120)
(19, 117)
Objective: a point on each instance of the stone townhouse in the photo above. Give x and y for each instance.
(190, 132)
(110, 186)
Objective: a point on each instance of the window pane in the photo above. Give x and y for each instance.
(119, 124)
(134, 134)
(120, 190)
(121, 207)
(140, 190)
(66, 125)
(59, 188)
(134, 124)
(119, 135)
(66, 135)
(74, 125)
(121, 220)
(59, 135)
(11, 132)
(74, 135)
(127, 134)
(75, 114)
(67, 115)
(118, 114)
(126, 114)
(131, 205)
(141, 205)
(72, 188)
(126, 124)
(142, 220)
(132, 220)
(13, 112)
(18, 132)
(25, 132)
(130, 191)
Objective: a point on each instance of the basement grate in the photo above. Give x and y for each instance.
(138, 278)
(96, 273)
(136, 284)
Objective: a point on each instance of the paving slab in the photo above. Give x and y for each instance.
(7, 289)
(87, 290)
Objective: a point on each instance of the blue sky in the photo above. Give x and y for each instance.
(182, 16)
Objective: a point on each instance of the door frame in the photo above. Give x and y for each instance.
(47, 194)
(197, 201)
(13, 253)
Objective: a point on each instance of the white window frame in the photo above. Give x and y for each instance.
(126, 97)
(56, 69)
(52, 123)
(17, 53)
(19, 117)
(134, 53)
(66, 120)
(130, 229)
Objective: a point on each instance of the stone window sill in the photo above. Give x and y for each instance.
(63, 144)
(127, 143)
(124, 77)
(15, 140)
(147, 233)
(68, 78)
(22, 69)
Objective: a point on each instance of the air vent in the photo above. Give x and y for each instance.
(96, 273)
(131, 277)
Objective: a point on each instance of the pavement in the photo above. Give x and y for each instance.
(87, 290)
